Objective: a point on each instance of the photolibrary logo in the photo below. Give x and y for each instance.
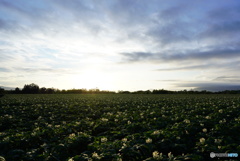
(226, 155)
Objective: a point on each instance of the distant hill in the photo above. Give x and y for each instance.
(7, 88)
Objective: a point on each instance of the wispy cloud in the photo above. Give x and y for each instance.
(224, 66)
(194, 67)
(184, 55)
(230, 79)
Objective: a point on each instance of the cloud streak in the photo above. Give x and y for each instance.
(225, 53)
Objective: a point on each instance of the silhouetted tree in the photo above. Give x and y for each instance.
(2, 92)
(43, 90)
(30, 88)
(124, 92)
(50, 90)
(162, 91)
(17, 90)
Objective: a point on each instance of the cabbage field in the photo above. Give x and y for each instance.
(118, 127)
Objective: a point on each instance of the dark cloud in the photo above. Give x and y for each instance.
(168, 56)
(138, 56)
(217, 88)
(168, 34)
(212, 86)
(194, 67)
(128, 12)
(22, 18)
(8, 25)
(3, 24)
(227, 66)
(79, 11)
(222, 30)
(222, 24)
(35, 69)
(172, 25)
(45, 70)
(228, 79)
(224, 13)
(185, 23)
(26, 9)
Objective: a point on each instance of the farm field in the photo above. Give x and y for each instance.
(127, 127)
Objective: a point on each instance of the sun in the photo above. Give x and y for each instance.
(92, 79)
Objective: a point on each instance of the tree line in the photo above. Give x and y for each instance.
(35, 89)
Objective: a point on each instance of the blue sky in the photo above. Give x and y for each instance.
(120, 44)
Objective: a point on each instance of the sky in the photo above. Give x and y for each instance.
(120, 44)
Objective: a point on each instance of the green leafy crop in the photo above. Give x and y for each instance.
(118, 127)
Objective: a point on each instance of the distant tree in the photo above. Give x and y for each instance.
(162, 91)
(50, 90)
(30, 88)
(124, 92)
(17, 90)
(43, 90)
(94, 91)
(1, 92)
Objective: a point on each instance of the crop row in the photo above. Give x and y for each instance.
(118, 127)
